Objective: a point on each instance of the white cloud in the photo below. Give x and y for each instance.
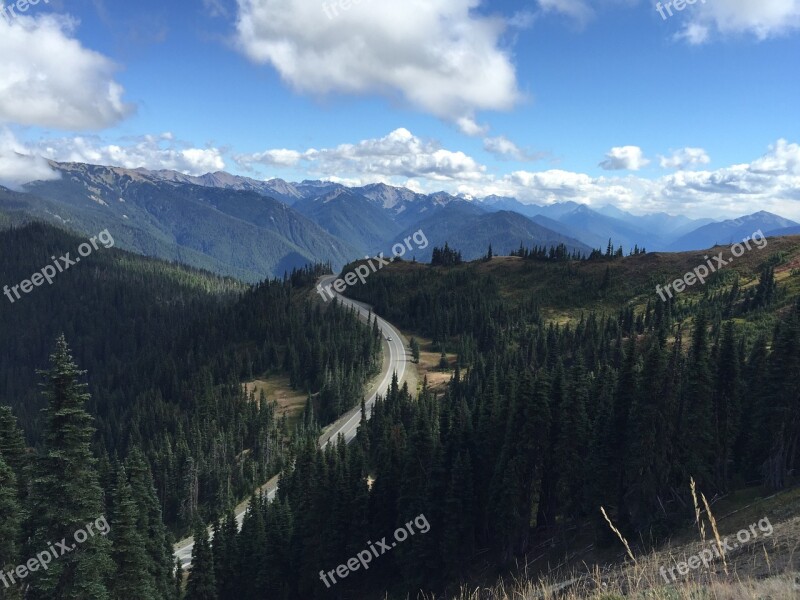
(149, 152)
(694, 34)
(469, 127)
(504, 149)
(522, 19)
(621, 158)
(771, 182)
(783, 159)
(685, 158)
(18, 166)
(762, 18)
(702, 20)
(272, 158)
(439, 56)
(399, 154)
(48, 79)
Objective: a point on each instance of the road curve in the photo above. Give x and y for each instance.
(394, 361)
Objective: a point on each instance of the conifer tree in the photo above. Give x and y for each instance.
(250, 543)
(414, 345)
(459, 528)
(782, 402)
(65, 494)
(150, 524)
(573, 441)
(225, 556)
(698, 439)
(727, 404)
(277, 551)
(650, 419)
(624, 398)
(177, 585)
(132, 578)
(201, 584)
(12, 447)
(9, 530)
(548, 501)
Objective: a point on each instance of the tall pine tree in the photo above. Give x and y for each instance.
(201, 584)
(65, 493)
(132, 578)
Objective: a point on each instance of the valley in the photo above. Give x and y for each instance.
(373, 300)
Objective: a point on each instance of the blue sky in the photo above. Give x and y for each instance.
(596, 101)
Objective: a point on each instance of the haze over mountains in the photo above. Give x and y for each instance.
(202, 220)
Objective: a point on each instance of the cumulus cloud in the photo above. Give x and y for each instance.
(685, 158)
(762, 19)
(271, 158)
(504, 149)
(148, 151)
(694, 34)
(18, 165)
(702, 21)
(469, 127)
(399, 154)
(622, 158)
(49, 79)
(439, 56)
(783, 158)
(770, 182)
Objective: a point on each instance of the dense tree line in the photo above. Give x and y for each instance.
(556, 253)
(73, 528)
(547, 424)
(166, 349)
(446, 256)
(445, 305)
(539, 426)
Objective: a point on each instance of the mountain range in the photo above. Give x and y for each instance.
(205, 221)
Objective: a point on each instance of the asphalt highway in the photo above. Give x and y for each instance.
(396, 359)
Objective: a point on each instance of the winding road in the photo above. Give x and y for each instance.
(395, 360)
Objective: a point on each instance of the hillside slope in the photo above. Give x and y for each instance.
(235, 232)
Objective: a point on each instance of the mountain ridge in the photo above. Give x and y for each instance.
(196, 218)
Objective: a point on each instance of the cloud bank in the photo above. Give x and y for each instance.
(48, 79)
(439, 56)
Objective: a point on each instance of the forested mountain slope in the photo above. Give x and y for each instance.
(165, 349)
(234, 232)
(545, 420)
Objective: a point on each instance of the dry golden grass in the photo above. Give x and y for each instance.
(759, 571)
(778, 587)
(763, 568)
(290, 402)
(429, 366)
